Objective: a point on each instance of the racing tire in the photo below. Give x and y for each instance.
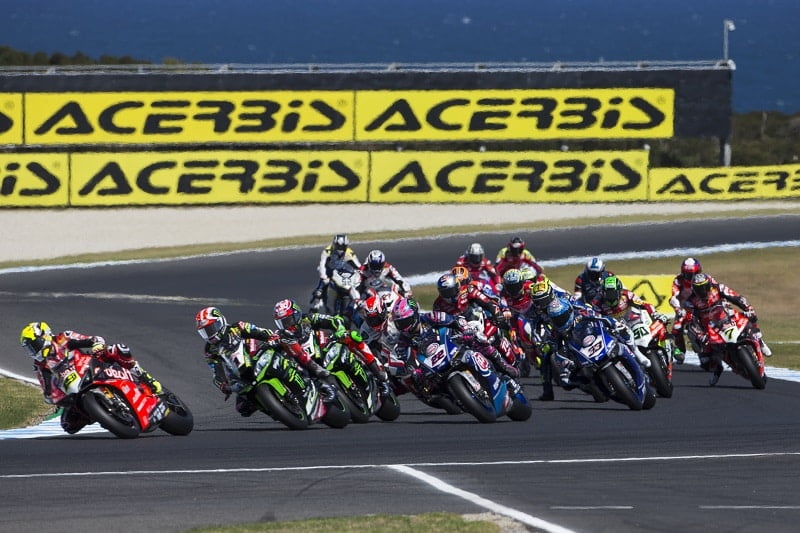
(483, 412)
(389, 409)
(658, 374)
(179, 420)
(337, 414)
(649, 398)
(622, 392)
(122, 424)
(519, 411)
(359, 412)
(746, 360)
(293, 417)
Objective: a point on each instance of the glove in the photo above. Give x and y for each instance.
(661, 317)
(98, 345)
(751, 315)
(340, 334)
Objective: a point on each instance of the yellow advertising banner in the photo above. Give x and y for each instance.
(724, 183)
(221, 177)
(188, 117)
(11, 112)
(520, 177)
(34, 180)
(655, 289)
(526, 114)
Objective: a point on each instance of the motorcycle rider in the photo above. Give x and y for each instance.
(515, 255)
(479, 267)
(565, 315)
(410, 330)
(589, 283)
(222, 338)
(681, 291)
(456, 299)
(707, 293)
(48, 350)
(295, 328)
(377, 269)
(338, 250)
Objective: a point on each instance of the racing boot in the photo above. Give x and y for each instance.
(151, 382)
(327, 392)
(714, 379)
(640, 357)
(764, 348)
(678, 355)
(378, 371)
(499, 362)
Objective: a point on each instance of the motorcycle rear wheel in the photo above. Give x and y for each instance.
(519, 412)
(746, 360)
(389, 409)
(292, 416)
(179, 421)
(481, 411)
(122, 424)
(337, 413)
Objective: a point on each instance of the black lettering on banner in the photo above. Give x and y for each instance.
(351, 179)
(644, 287)
(336, 120)
(117, 176)
(6, 122)
(544, 116)
(403, 109)
(50, 182)
(706, 186)
(153, 122)
(780, 180)
(106, 118)
(221, 117)
(632, 177)
(481, 120)
(586, 112)
(434, 115)
(535, 177)
(414, 170)
(69, 110)
(187, 180)
(144, 182)
(653, 113)
(443, 176)
(681, 184)
(482, 181)
(288, 177)
(744, 185)
(265, 119)
(573, 169)
(246, 178)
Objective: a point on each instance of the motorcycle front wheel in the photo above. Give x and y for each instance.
(179, 421)
(658, 374)
(289, 413)
(481, 410)
(115, 415)
(746, 360)
(622, 392)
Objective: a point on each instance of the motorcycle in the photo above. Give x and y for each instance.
(607, 366)
(730, 337)
(654, 342)
(362, 393)
(504, 339)
(452, 370)
(281, 389)
(345, 280)
(117, 399)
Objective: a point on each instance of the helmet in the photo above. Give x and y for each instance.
(690, 267)
(461, 273)
(542, 293)
(701, 283)
(560, 313)
(448, 286)
(405, 315)
(211, 324)
(340, 242)
(37, 339)
(515, 246)
(374, 311)
(474, 254)
(612, 290)
(287, 314)
(512, 282)
(595, 267)
(376, 261)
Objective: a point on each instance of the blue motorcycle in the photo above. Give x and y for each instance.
(451, 369)
(606, 365)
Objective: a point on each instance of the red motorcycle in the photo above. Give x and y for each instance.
(118, 400)
(725, 334)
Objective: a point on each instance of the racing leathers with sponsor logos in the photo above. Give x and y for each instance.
(589, 283)
(480, 268)
(515, 255)
(338, 250)
(48, 350)
(377, 270)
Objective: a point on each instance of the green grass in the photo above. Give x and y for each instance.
(21, 404)
(429, 523)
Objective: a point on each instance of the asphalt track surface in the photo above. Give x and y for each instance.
(724, 458)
